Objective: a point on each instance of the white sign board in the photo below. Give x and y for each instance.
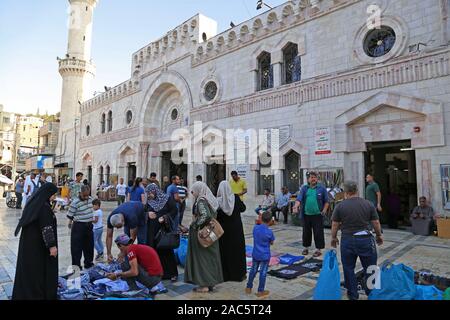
(322, 141)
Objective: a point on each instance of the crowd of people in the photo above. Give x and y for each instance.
(146, 209)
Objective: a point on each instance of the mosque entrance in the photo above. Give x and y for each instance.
(215, 174)
(292, 172)
(170, 168)
(393, 165)
(132, 172)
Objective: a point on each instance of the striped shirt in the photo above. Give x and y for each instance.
(182, 192)
(81, 211)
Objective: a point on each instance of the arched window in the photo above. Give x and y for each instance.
(100, 174)
(108, 174)
(103, 123)
(265, 71)
(129, 116)
(110, 125)
(292, 67)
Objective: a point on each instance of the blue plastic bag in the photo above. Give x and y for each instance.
(329, 284)
(290, 259)
(428, 293)
(397, 283)
(181, 252)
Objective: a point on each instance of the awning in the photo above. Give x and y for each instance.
(5, 180)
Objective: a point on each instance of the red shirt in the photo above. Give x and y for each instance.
(147, 258)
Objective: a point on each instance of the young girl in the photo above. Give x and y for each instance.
(98, 229)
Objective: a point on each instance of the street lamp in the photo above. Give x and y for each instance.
(75, 143)
(261, 3)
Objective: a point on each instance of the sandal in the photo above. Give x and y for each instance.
(305, 252)
(317, 254)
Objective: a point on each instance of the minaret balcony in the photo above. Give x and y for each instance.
(75, 66)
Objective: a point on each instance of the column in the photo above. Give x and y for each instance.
(142, 169)
(277, 76)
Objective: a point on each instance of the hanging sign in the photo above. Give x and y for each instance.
(322, 141)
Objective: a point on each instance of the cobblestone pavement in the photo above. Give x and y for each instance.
(418, 252)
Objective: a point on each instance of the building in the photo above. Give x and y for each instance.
(27, 132)
(48, 136)
(77, 71)
(350, 93)
(7, 141)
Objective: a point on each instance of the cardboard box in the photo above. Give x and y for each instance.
(443, 226)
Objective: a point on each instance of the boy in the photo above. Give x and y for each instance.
(98, 229)
(263, 238)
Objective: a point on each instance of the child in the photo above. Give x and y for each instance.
(263, 238)
(98, 229)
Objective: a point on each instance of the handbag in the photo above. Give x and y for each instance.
(210, 233)
(167, 240)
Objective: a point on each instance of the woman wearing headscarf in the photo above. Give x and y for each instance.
(232, 243)
(203, 266)
(162, 214)
(37, 263)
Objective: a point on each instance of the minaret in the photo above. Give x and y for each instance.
(77, 72)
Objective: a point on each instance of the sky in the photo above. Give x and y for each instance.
(34, 32)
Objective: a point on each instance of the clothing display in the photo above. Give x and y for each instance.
(297, 269)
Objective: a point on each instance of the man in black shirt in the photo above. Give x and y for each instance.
(352, 217)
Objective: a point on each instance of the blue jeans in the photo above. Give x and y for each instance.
(263, 266)
(353, 248)
(98, 243)
(141, 233)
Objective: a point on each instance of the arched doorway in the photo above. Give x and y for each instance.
(165, 109)
(292, 177)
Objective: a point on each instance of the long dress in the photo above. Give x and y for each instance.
(36, 271)
(232, 243)
(167, 257)
(203, 266)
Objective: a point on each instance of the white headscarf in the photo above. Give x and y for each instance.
(226, 198)
(203, 192)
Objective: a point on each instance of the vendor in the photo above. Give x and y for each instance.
(130, 216)
(424, 212)
(143, 264)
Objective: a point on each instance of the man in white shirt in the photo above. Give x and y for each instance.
(30, 184)
(267, 202)
(121, 192)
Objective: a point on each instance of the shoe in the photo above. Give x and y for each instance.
(263, 294)
(248, 290)
(99, 257)
(305, 252)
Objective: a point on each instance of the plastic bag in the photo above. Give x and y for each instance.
(397, 283)
(428, 293)
(329, 284)
(446, 295)
(181, 252)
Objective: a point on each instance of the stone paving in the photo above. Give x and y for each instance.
(418, 252)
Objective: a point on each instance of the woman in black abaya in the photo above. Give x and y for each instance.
(232, 243)
(37, 262)
(163, 212)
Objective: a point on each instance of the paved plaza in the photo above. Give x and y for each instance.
(418, 252)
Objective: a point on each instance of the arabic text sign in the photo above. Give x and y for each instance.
(322, 138)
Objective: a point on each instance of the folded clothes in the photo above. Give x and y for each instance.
(290, 259)
(297, 269)
(112, 286)
(109, 268)
(72, 294)
(78, 281)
